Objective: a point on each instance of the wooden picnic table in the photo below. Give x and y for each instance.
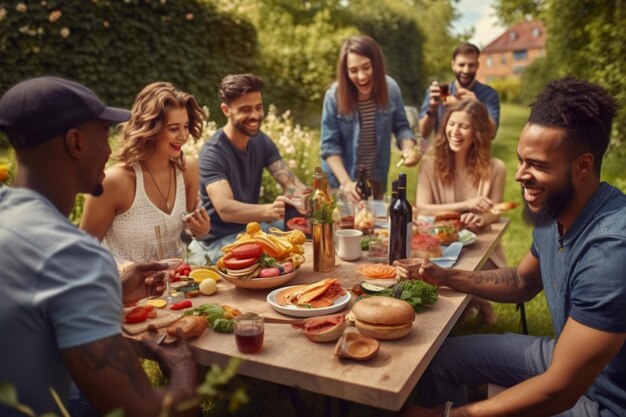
(290, 359)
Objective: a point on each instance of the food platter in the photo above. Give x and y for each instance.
(259, 283)
(467, 237)
(292, 310)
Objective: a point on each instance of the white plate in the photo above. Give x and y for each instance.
(294, 311)
(467, 237)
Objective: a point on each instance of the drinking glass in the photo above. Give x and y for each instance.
(249, 331)
(444, 91)
(172, 252)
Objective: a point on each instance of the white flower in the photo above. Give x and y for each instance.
(3, 13)
(292, 163)
(189, 16)
(65, 32)
(21, 7)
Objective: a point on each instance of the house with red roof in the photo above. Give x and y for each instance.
(511, 52)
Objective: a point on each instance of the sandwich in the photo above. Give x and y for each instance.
(383, 318)
(447, 225)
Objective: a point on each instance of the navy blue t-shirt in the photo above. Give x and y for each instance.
(584, 277)
(219, 159)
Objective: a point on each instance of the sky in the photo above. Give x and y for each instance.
(480, 15)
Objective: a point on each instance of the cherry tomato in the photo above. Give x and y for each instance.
(247, 250)
(269, 272)
(136, 315)
(183, 304)
(233, 262)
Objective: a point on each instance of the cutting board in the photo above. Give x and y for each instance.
(163, 319)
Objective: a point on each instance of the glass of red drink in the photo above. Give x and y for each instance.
(444, 91)
(249, 331)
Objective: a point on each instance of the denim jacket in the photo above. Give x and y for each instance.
(340, 133)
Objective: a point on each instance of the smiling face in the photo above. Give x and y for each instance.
(361, 73)
(245, 113)
(459, 132)
(465, 67)
(545, 174)
(174, 134)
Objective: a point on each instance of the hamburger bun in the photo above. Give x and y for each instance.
(383, 318)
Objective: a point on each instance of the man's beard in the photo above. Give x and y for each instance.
(98, 190)
(241, 128)
(462, 84)
(556, 201)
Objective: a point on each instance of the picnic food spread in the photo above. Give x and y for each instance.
(383, 318)
(256, 254)
(319, 294)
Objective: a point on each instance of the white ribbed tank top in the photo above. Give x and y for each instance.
(129, 232)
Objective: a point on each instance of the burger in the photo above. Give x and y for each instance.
(447, 225)
(383, 318)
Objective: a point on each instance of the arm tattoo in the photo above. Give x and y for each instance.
(281, 173)
(113, 353)
(506, 276)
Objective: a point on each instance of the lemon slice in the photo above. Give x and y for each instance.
(157, 303)
(200, 275)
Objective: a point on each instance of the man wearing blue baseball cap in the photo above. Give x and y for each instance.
(62, 295)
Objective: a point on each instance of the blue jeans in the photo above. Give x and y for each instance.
(505, 360)
(198, 249)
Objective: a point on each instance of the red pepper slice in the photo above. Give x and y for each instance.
(136, 315)
(181, 305)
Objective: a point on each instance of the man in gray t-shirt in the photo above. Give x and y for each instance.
(231, 166)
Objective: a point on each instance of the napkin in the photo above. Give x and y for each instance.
(449, 256)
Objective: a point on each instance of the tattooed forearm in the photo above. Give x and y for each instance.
(505, 276)
(285, 177)
(112, 353)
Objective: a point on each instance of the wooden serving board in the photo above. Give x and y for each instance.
(163, 319)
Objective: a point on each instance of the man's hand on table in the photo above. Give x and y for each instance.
(141, 280)
(177, 362)
(420, 268)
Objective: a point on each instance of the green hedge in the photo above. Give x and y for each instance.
(117, 47)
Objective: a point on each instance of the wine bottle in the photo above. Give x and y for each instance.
(394, 197)
(400, 224)
(363, 184)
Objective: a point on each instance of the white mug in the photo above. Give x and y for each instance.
(348, 244)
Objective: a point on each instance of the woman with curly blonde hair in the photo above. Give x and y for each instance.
(154, 183)
(462, 176)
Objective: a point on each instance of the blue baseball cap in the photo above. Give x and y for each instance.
(39, 109)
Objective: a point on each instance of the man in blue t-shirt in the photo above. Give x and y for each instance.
(231, 167)
(62, 296)
(578, 257)
(465, 87)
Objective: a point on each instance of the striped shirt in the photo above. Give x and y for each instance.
(367, 138)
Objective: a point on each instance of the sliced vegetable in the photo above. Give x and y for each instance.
(371, 288)
(181, 305)
(247, 250)
(377, 271)
(137, 315)
(233, 262)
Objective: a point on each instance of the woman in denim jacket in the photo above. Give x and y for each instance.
(361, 110)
